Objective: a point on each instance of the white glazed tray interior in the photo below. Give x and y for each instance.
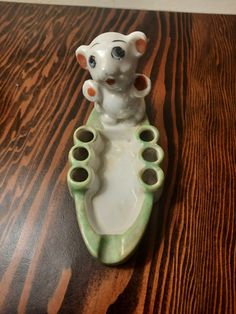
(114, 170)
(116, 204)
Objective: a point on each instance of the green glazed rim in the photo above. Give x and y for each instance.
(147, 134)
(83, 140)
(113, 249)
(158, 152)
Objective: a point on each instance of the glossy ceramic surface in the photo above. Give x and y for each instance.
(115, 88)
(115, 170)
(114, 191)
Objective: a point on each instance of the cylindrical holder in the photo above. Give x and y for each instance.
(152, 154)
(151, 178)
(82, 154)
(80, 178)
(90, 136)
(147, 134)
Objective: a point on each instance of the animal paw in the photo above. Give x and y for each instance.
(91, 91)
(141, 86)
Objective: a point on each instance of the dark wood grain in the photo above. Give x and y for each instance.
(186, 262)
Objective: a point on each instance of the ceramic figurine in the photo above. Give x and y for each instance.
(115, 170)
(116, 89)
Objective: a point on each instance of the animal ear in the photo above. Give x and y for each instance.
(81, 56)
(138, 41)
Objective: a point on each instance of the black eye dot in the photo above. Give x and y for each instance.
(92, 61)
(117, 53)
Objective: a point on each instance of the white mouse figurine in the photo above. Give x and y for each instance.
(117, 91)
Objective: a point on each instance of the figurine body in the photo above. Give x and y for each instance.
(117, 91)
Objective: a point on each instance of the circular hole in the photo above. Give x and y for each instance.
(149, 177)
(79, 174)
(85, 136)
(80, 153)
(147, 135)
(150, 154)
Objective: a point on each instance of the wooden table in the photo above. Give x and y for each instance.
(186, 262)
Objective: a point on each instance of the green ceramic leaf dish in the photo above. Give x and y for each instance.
(115, 176)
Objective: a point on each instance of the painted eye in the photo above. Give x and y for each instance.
(92, 61)
(117, 53)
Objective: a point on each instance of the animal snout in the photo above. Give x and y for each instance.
(109, 70)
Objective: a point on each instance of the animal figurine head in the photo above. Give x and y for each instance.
(111, 58)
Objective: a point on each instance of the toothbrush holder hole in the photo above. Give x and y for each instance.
(150, 154)
(79, 174)
(147, 134)
(85, 135)
(80, 153)
(149, 176)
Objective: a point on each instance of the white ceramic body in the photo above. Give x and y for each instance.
(115, 88)
(115, 164)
